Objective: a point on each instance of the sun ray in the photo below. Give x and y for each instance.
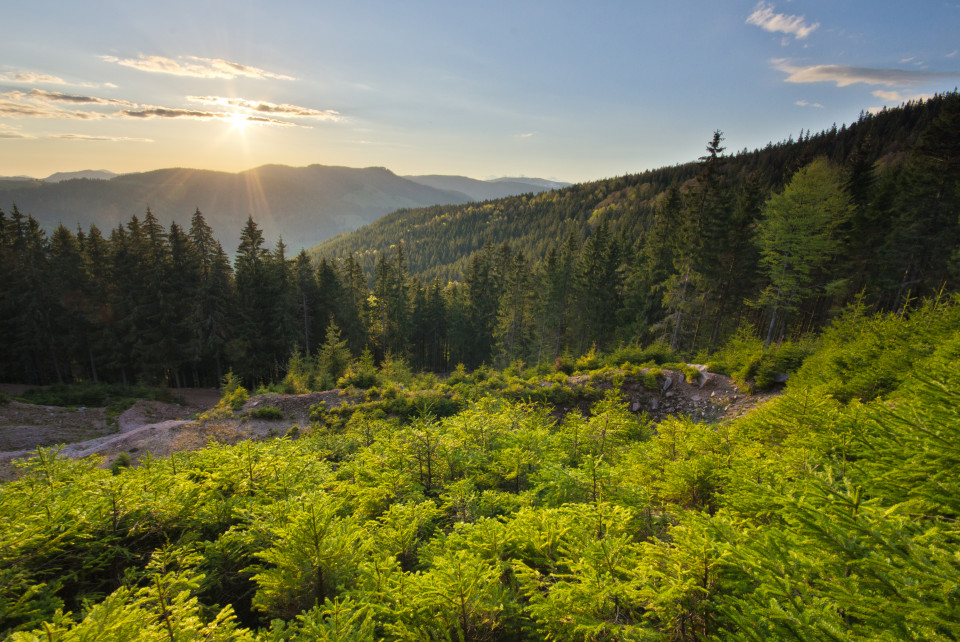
(238, 121)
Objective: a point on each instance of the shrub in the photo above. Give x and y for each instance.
(658, 353)
(121, 461)
(267, 412)
(651, 379)
(361, 373)
(564, 364)
(589, 361)
(235, 400)
(318, 411)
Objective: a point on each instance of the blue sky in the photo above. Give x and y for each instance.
(565, 90)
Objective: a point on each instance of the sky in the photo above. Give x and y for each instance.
(569, 91)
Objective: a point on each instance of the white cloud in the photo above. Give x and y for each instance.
(764, 17)
(953, 54)
(8, 132)
(896, 97)
(261, 107)
(13, 105)
(804, 103)
(844, 76)
(29, 77)
(193, 114)
(890, 96)
(195, 67)
(34, 78)
(108, 139)
(56, 96)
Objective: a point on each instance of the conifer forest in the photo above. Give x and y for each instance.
(485, 477)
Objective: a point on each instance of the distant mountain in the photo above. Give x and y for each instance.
(477, 190)
(100, 174)
(541, 183)
(304, 205)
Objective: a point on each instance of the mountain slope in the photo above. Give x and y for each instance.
(477, 190)
(304, 205)
(100, 174)
(441, 241)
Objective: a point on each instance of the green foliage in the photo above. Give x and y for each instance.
(864, 356)
(811, 517)
(93, 395)
(756, 367)
(361, 373)
(658, 353)
(267, 412)
(121, 461)
(234, 400)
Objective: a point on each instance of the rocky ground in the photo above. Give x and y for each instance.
(163, 428)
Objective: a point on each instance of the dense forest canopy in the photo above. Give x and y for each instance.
(778, 240)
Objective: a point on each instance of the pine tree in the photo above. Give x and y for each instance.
(307, 295)
(213, 313)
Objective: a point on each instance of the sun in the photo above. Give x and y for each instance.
(238, 121)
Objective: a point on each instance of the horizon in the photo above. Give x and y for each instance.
(250, 169)
(558, 91)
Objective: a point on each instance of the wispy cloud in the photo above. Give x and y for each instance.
(31, 78)
(844, 76)
(804, 103)
(34, 78)
(13, 106)
(108, 139)
(261, 107)
(8, 132)
(764, 17)
(56, 96)
(194, 114)
(195, 67)
(891, 96)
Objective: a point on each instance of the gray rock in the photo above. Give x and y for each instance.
(667, 383)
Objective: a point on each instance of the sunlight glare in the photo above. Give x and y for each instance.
(238, 121)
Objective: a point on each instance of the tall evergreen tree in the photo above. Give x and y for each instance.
(306, 296)
(483, 287)
(213, 312)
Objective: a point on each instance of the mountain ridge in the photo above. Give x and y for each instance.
(302, 205)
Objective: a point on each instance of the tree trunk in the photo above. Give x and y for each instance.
(773, 323)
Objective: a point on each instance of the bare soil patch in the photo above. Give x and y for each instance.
(161, 428)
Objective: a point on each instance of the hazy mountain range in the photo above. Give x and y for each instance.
(303, 205)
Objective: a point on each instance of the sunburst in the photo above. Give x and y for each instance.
(238, 121)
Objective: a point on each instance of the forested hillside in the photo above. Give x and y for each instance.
(776, 240)
(441, 240)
